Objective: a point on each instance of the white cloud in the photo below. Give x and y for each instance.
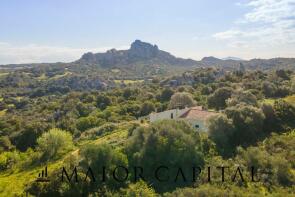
(270, 10)
(32, 53)
(269, 23)
(228, 34)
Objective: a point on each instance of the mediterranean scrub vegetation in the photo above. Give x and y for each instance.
(48, 119)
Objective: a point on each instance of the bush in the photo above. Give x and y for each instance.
(285, 115)
(181, 100)
(20, 160)
(88, 122)
(240, 126)
(248, 123)
(216, 191)
(170, 143)
(5, 144)
(9, 159)
(220, 131)
(147, 108)
(102, 101)
(242, 97)
(27, 137)
(166, 94)
(99, 131)
(54, 143)
(98, 156)
(273, 155)
(218, 99)
(268, 89)
(139, 189)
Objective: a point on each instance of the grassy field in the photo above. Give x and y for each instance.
(13, 184)
(269, 101)
(3, 112)
(115, 70)
(44, 77)
(3, 74)
(10, 105)
(290, 99)
(116, 138)
(127, 82)
(60, 76)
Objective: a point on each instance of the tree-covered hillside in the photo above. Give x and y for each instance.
(56, 116)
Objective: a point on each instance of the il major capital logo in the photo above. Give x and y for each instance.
(43, 176)
(222, 174)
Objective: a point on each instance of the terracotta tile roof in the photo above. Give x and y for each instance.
(197, 113)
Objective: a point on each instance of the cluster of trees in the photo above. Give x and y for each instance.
(174, 144)
(38, 126)
(51, 145)
(26, 118)
(244, 125)
(169, 143)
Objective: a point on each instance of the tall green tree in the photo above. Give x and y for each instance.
(217, 100)
(103, 155)
(146, 108)
(169, 143)
(181, 100)
(221, 130)
(54, 143)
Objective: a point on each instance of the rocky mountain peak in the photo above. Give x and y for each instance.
(143, 49)
(139, 51)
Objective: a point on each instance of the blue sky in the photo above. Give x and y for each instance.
(62, 30)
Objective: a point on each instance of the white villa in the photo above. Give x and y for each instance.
(196, 116)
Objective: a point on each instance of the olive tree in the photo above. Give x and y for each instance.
(218, 99)
(55, 142)
(181, 100)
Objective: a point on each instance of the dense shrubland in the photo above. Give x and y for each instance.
(60, 124)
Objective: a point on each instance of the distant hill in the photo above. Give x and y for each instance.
(143, 54)
(210, 59)
(253, 64)
(139, 52)
(144, 60)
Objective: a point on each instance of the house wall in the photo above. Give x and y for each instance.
(176, 113)
(167, 114)
(193, 122)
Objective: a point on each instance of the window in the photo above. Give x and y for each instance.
(171, 115)
(197, 126)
